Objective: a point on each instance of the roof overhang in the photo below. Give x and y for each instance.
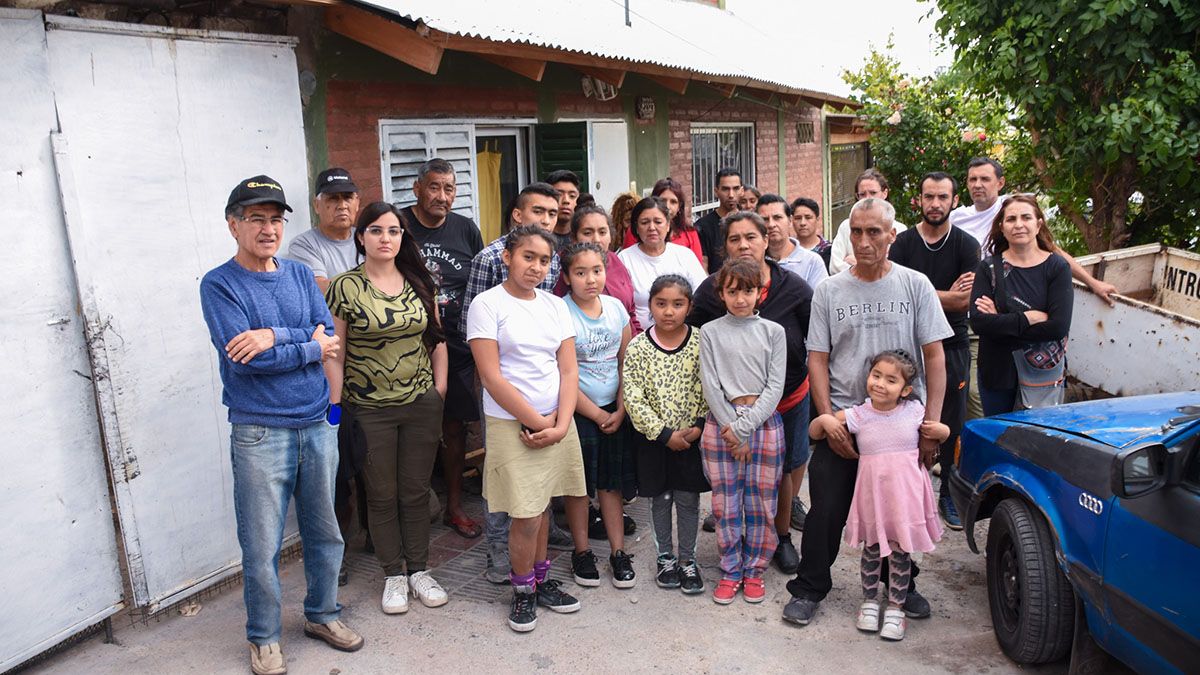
(418, 33)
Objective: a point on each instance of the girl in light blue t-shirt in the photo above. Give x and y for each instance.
(602, 332)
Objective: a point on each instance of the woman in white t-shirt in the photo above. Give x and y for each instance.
(655, 255)
(523, 342)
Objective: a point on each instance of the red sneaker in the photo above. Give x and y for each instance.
(725, 591)
(752, 589)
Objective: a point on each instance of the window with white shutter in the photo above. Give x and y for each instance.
(406, 145)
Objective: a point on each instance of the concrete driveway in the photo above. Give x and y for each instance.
(640, 629)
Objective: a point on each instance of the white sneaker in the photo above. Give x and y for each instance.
(893, 624)
(395, 594)
(868, 616)
(427, 589)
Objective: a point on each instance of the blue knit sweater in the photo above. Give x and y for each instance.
(285, 385)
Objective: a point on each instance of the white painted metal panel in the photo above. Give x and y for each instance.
(405, 146)
(1132, 348)
(161, 125)
(59, 571)
(608, 155)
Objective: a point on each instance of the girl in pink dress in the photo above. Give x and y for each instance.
(893, 513)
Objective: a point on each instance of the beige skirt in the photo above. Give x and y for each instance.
(519, 480)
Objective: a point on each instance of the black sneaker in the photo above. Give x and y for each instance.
(630, 525)
(800, 611)
(799, 514)
(916, 606)
(690, 581)
(709, 524)
(596, 525)
(550, 596)
(523, 615)
(343, 574)
(668, 572)
(786, 558)
(949, 513)
(583, 566)
(622, 570)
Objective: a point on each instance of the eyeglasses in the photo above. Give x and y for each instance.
(260, 221)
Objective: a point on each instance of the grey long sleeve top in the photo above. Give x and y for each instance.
(742, 357)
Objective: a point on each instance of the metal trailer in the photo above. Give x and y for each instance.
(1149, 342)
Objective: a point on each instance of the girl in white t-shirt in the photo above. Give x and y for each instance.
(654, 255)
(601, 335)
(523, 343)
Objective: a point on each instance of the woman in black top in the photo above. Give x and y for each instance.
(786, 300)
(1037, 304)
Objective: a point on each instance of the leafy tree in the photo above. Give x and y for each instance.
(1109, 91)
(937, 123)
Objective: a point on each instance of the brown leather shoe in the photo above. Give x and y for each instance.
(267, 659)
(336, 634)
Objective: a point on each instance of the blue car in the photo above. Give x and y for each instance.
(1094, 537)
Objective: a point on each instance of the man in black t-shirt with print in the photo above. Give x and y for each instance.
(728, 190)
(448, 243)
(948, 256)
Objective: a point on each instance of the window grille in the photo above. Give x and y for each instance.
(715, 147)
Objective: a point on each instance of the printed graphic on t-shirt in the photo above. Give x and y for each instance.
(445, 266)
(874, 314)
(594, 343)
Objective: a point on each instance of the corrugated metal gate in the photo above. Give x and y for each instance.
(153, 128)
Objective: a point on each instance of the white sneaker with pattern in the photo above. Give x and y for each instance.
(427, 589)
(395, 594)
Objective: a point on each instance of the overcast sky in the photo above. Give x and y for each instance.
(826, 37)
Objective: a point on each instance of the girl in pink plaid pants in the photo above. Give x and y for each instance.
(742, 364)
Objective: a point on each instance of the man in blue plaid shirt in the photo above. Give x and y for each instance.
(537, 204)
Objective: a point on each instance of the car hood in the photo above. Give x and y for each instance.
(1118, 422)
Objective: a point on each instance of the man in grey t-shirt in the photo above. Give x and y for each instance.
(328, 249)
(872, 307)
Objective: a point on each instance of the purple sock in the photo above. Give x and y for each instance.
(520, 579)
(541, 569)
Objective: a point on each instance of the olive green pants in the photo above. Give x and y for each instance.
(402, 443)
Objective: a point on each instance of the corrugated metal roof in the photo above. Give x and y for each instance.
(670, 33)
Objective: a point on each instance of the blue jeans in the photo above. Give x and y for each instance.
(270, 465)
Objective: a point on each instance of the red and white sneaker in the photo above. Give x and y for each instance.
(752, 589)
(726, 590)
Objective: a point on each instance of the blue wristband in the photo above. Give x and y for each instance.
(334, 414)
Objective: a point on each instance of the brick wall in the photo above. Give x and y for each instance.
(803, 161)
(804, 177)
(353, 111)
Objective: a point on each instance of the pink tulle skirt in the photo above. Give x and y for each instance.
(893, 505)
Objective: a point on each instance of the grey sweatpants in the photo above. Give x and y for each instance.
(687, 516)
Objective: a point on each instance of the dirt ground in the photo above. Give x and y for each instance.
(640, 629)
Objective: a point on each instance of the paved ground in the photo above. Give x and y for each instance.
(641, 629)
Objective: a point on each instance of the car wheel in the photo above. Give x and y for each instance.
(1031, 600)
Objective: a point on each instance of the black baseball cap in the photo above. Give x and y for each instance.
(257, 190)
(335, 180)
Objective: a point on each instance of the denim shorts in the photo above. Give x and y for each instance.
(795, 430)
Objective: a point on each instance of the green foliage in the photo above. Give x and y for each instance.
(938, 123)
(1110, 92)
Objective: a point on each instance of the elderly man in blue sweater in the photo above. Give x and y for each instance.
(273, 333)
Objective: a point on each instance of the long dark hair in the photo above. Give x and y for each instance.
(681, 222)
(1044, 238)
(410, 263)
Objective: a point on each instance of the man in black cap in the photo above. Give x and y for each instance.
(273, 333)
(328, 248)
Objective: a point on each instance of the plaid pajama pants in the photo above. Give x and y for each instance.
(744, 497)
